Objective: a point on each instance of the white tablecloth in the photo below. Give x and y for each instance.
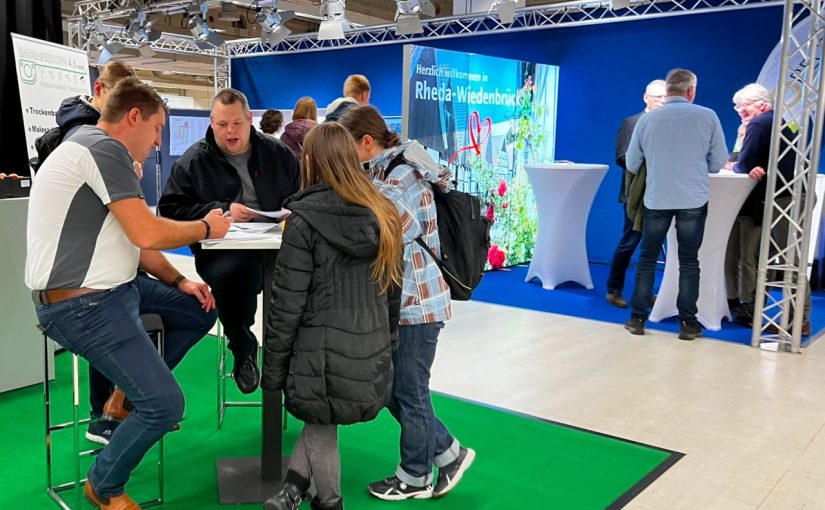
(564, 194)
(728, 192)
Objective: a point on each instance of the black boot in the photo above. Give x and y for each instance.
(288, 498)
(314, 504)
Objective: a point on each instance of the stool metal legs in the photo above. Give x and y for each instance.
(54, 490)
(223, 376)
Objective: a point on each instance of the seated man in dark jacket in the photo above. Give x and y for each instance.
(237, 169)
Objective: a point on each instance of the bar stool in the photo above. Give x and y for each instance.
(153, 325)
(223, 376)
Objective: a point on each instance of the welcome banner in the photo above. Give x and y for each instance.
(485, 117)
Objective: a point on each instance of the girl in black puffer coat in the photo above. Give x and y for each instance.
(329, 345)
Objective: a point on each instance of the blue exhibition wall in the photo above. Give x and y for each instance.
(603, 70)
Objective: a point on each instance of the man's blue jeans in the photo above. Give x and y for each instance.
(104, 327)
(690, 229)
(424, 439)
(621, 257)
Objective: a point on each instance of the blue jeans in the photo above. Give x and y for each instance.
(621, 257)
(424, 439)
(690, 229)
(104, 327)
(184, 323)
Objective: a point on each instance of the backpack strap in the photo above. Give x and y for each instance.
(430, 251)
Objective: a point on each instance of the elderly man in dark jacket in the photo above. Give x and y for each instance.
(239, 170)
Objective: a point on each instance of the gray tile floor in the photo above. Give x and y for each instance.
(751, 423)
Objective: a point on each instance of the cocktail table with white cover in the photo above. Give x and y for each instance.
(728, 192)
(564, 194)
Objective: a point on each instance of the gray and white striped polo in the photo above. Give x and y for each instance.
(73, 239)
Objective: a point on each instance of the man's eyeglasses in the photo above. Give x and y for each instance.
(656, 98)
(742, 106)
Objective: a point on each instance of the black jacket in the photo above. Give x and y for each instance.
(75, 112)
(328, 343)
(622, 142)
(756, 148)
(203, 179)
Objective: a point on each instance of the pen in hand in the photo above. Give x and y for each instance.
(227, 214)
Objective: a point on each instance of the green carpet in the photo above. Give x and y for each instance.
(522, 462)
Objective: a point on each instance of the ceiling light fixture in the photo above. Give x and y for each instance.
(506, 10)
(204, 37)
(408, 17)
(272, 23)
(334, 22)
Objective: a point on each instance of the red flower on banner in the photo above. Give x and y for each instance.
(491, 212)
(502, 188)
(505, 205)
(496, 257)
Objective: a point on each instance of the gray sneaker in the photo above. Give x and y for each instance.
(450, 475)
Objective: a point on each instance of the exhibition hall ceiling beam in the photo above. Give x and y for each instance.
(545, 16)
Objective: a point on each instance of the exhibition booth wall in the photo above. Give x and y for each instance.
(603, 70)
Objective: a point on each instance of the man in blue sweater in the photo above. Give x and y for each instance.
(681, 143)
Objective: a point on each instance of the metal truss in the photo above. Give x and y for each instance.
(544, 16)
(223, 70)
(797, 131)
(170, 43)
(109, 9)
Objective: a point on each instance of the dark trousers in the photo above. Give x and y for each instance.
(104, 327)
(184, 324)
(690, 229)
(236, 278)
(621, 257)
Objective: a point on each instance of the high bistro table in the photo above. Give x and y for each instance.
(564, 194)
(728, 192)
(254, 479)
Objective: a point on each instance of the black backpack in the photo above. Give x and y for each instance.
(464, 233)
(46, 144)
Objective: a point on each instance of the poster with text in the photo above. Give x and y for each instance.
(47, 73)
(486, 117)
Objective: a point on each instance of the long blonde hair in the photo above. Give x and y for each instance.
(330, 157)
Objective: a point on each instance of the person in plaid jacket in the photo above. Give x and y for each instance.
(404, 173)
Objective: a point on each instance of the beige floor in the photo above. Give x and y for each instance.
(751, 423)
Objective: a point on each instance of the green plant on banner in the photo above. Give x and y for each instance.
(507, 197)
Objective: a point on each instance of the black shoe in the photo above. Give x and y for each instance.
(690, 330)
(616, 299)
(246, 373)
(743, 314)
(288, 498)
(314, 504)
(101, 431)
(393, 489)
(636, 325)
(450, 475)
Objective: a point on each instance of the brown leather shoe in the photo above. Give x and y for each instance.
(117, 407)
(122, 502)
(616, 299)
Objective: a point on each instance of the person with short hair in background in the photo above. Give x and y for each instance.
(755, 103)
(654, 97)
(681, 144)
(356, 92)
(271, 122)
